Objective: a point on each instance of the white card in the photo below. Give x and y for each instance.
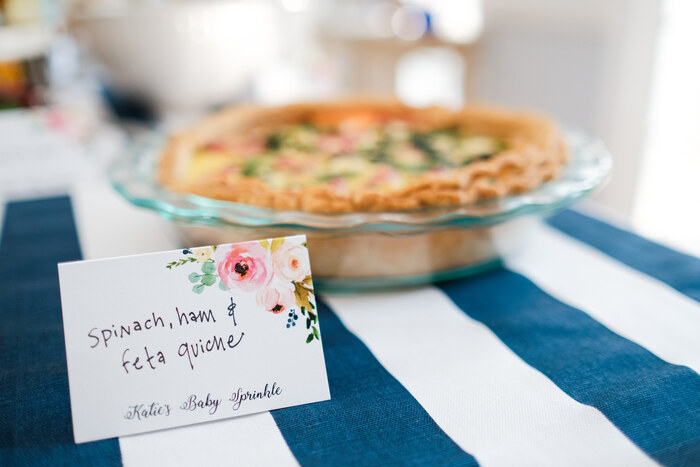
(181, 337)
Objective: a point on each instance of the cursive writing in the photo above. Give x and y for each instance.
(144, 411)
(209, 403)
(239, 396)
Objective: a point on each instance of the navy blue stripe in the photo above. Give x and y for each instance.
(371, 418)
(35, 425)
(680, 271)
(656, 404)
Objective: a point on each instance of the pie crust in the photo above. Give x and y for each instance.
(534, 153)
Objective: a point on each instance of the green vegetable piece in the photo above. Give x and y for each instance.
(331, 176)
(274, 142)
(250, 168)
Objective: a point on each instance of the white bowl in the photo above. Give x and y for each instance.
(184, 55)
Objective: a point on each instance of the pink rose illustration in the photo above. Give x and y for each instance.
(276, 299)
(246, 267)
(291, 262)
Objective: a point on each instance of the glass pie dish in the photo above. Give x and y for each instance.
(371, 250)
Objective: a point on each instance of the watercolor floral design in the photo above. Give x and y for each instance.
(277, 270)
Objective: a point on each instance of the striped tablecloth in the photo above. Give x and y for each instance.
(584, 349)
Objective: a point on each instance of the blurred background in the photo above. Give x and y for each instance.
(78, 78)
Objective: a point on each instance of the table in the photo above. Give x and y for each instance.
(583, 349)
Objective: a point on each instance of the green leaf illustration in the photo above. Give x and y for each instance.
(308, 323)
(308, 283)
(310, 338)
(208, 268)
(222, 286)
(180, 262)
(301, 294)
(198, 288)
(194, 277)
(316, 334)
(313, 317)
(276, 243)
(208, 279)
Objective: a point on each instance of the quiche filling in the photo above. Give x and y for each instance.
(361, 156)
(378, 157)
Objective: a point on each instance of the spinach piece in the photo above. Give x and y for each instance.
(423, 142)
(380, 152)
(274, 141)
(250, 169)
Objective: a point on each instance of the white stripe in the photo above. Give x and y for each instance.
(628, 302)
(249, 440)
(490, 402)
(108, 226)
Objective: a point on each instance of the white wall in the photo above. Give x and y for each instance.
(586, 63)
(668, 194)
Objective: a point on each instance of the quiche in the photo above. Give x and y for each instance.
(362, 155)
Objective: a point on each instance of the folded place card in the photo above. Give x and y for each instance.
(180, 337)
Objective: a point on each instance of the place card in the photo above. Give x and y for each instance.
(180, 337)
